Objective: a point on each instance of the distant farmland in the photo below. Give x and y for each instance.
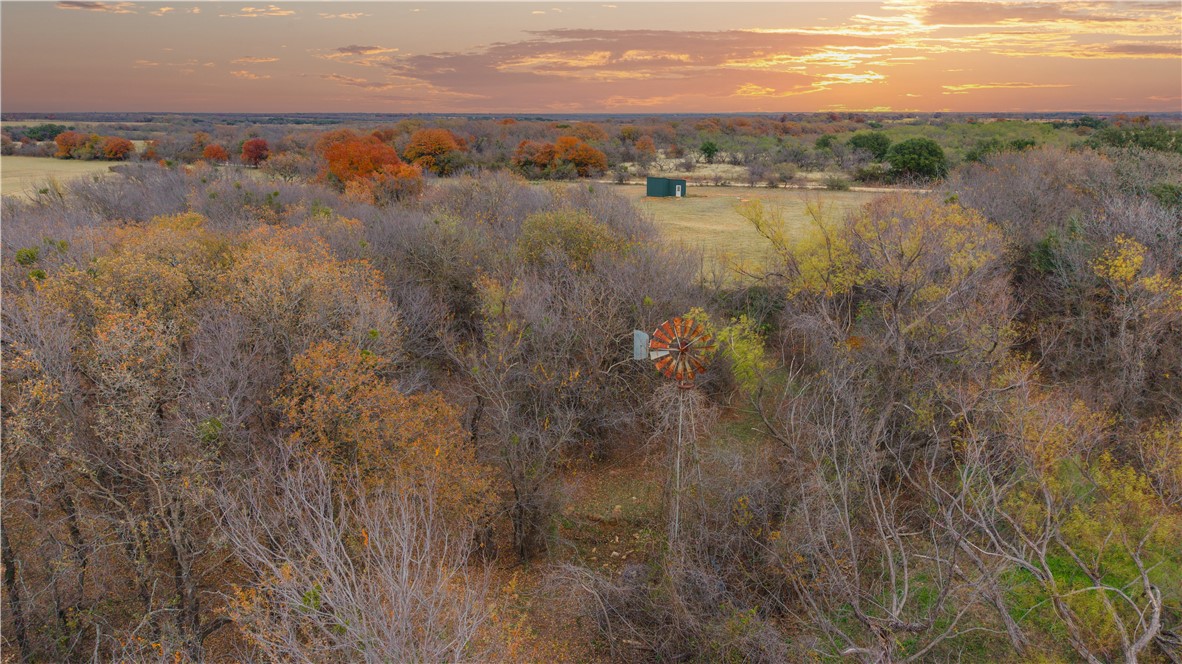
(24, 175)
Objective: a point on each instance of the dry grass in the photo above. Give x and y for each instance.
(707, 218)
(24, 175)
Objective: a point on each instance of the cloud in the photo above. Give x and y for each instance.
(752, 90)
(250, 76)
(260, 12)
(352, 16)
(638, 67)
(359, 55)
(143, 64)
(250, 59)
(965, 88)
(355, 50)
(356, 82)
(108, 7)
(1143, 49)
(991, 13)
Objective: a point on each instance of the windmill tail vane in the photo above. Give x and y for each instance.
(677, 348)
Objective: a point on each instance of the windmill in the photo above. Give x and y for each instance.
(678, 349)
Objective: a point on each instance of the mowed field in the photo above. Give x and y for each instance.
(707, 218)
(24, 175)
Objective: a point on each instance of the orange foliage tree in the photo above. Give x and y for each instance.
(589, 131)
(646, 150)
(75, 145)
(68, 142)
(115, 148)
(586, 159)
(215, 152)
(566, 157)
(342, 408)
(367, 169)
(434, 150)
(355, 158)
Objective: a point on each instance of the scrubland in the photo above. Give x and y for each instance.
(357, 408)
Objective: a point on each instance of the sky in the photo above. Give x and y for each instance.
(591, 57)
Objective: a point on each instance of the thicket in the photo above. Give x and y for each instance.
(271, 419)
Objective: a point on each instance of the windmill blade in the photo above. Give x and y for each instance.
(663, 332)
(665, 365)
(677, 347)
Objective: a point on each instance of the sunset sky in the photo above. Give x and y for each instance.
(614, 57)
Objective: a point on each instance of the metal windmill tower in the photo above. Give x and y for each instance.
(677, 348)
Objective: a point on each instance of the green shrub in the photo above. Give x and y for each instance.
(571, 233)
(1168, 194)
(836, 182)
(875, 142)
(919, 158)
(27, 256)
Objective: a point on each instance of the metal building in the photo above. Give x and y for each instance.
(665, 187)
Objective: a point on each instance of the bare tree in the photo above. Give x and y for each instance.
(339, 574)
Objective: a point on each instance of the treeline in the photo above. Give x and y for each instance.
(297, 419)
(759, 150)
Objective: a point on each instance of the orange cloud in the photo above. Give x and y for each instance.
(250, 76)
(356, 82)
(250, 59)
(260, 12)
(965, 88)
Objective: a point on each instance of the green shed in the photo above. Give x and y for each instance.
(665, 187)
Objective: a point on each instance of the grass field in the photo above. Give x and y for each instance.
(23, 175)
(707, 218)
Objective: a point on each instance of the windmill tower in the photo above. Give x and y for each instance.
(677, 348)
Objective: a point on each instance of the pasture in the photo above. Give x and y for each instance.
(24, 175)
(707, 219)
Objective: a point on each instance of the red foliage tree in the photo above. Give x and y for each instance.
(255, 151)
(533, 153)
(385, 135)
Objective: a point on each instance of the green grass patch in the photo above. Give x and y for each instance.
(707, 219)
